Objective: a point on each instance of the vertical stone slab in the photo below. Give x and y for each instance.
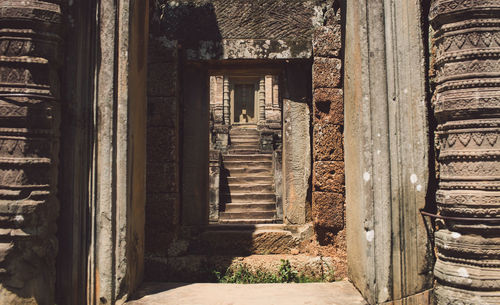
(163, 148)
(118, 173)
(77, 83)
(466, 102)
(296, 160)
(389, 255)
(296, 156)
(30, 55)
(195, 156)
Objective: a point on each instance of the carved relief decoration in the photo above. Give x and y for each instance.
(29, 120)
(467, 108)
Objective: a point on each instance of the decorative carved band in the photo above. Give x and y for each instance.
(29, 122)
(467, 108)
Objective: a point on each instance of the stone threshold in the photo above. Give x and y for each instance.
(337, 293)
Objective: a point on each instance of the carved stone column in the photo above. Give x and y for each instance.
(262, 101)
(467, 108)
(29, 123)
(227, 119)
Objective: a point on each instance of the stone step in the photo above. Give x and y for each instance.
(242, 198)
(247, 221)
(244, 151)
(242, 137)
(247, 157)
(250, 207)
(248, 215)
(248, 164)
(251, 188)
(245, 146)
(245, 171)
(244, 131)
(264, 179)
(251, 228)
(238, 140)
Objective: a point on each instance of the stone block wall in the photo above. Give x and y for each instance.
(328, 123)
(162, 176)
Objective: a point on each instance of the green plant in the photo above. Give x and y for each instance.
(242, 274)
(286, 274)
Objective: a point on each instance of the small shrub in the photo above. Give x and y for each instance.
(285, 274)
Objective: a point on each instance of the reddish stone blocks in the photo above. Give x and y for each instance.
(327, 41)
(328, 106)
(328, 210)
(328, 176)
(327, 72)
(328, 142)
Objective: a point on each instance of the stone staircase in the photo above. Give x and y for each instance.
(247, 191)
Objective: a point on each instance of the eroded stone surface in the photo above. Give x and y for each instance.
(327, 72)
(226, 29)
(328, 142)
(29, 114)
(329, 176)
(328, 210)
(327, 41)
(328, 106)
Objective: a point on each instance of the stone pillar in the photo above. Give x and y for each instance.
(30, 55)
(227, 115)
(386, 151)
(118, 173)
(262, 101)
(466, 46)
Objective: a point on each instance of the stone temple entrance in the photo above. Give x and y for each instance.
(245, 147)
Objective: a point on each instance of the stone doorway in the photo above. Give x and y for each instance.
(245, 147)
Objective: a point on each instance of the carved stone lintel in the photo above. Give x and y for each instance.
(466, 107)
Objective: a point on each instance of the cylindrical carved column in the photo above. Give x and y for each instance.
(226, 105)
(29, 122)
(467, 107)
(262, 101)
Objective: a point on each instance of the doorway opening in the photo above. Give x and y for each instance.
(245, 147)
